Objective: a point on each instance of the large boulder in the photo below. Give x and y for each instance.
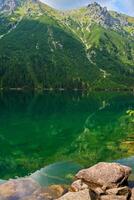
(105, 175)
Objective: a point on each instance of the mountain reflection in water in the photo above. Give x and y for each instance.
(38, 129)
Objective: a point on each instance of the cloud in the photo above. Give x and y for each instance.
(128, 6)
(124, 6)
(65, 4)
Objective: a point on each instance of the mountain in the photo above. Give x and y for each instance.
(41, 47)
(9, 5)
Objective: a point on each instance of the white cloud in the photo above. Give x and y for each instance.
(129, 6)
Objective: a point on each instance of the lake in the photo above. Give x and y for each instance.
(68, 130)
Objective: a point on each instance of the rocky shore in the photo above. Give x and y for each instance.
(104, 181)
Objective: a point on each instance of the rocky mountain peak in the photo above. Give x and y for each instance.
(102, 16)
(8, 5)
(95, 4)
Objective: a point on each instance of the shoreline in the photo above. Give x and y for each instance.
(103, 181)
(66, 90)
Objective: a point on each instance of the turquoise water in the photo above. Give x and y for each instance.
(39, 129)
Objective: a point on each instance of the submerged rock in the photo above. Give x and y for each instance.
(17, 189)
(28, 189)
(105, 175)
(57, 190)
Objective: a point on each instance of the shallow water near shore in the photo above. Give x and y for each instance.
(63, 131)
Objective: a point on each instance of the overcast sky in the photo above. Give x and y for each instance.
(124, 6)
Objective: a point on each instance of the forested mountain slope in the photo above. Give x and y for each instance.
(80, 49)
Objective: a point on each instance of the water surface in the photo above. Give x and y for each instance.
(39, 129)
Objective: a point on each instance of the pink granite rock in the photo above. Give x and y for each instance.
(81, 195)
(132, 194)
(78, 185)
(105, 175)
(113, 197)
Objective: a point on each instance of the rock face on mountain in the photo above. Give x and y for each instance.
(102, 16)
(105, 18)
(8, 5)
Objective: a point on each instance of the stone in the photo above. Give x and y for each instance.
(57, 190)
(105, 175)
(39, 194)
(113, 197)
(28, 189)
(18, 188)
(78, 185)
(80, 195)
(119, 191)
(132, 194)
(99, 191)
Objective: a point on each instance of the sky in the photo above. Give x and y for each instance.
(123, 6)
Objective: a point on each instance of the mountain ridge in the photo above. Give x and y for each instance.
(90, 47)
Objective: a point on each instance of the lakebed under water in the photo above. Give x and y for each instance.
(67, 130)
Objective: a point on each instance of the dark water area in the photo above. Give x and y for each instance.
(74, 129)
